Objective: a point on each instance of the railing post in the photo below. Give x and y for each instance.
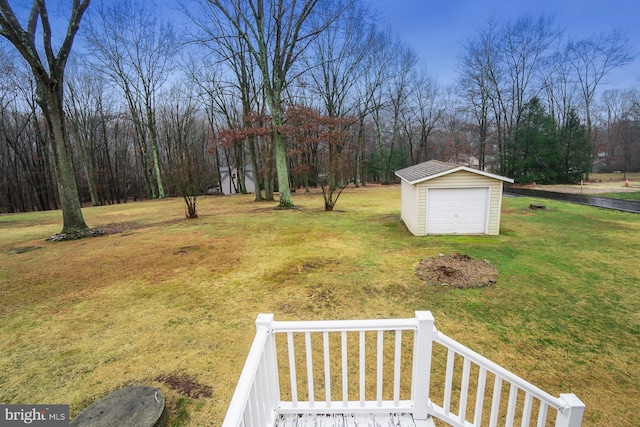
(264, 322)
(571, 415)
(422, 347)
(242, 409)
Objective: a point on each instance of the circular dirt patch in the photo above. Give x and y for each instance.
(458, 271)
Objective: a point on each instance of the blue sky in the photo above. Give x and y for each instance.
(436, 29)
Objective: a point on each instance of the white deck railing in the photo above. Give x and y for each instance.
(384, 366)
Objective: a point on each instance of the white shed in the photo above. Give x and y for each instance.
(229, 180)
(444, 198)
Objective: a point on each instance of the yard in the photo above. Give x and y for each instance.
(170, 302)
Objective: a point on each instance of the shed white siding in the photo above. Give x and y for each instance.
(229, 180)
(409, 210)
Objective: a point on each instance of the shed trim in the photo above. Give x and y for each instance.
(406, 173)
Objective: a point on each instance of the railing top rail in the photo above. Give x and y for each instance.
(501, 372)
(344, 325)
(241, 395)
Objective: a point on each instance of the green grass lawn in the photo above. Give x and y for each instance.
(623, 196)
(165, 297)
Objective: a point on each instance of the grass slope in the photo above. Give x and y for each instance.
(165, 297)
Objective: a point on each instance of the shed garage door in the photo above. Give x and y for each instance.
(457, 210)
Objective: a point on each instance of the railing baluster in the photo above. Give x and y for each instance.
(327, 368)
(253, 413)
(542, 414)
(271, 368)
(261, 387)
(482, 380)
(464, 390)
(396, 368)
(495, 402)
(264, 408)
(448, 382)
(526, 410)
(345, 369)
(292, 370)
(511, 407)
(362, 369)
(310, 386)
(380, 355)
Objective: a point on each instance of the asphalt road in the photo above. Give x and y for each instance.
(599, 202)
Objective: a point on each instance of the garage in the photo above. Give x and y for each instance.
(445, 198)
(457, 210)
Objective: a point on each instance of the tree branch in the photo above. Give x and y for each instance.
(46, 33)
(77, 11)
(12, 30)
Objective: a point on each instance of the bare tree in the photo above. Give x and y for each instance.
(616, 113)
(368, 93)
(336, 59)
(335, 66)
(135, 49)
(49, 77)
(81, 88)
(478, 82)
(398, 92)
(276, 33)
(592, 59)
(27, 173)
(183, 135)
(561, 89)
(528, 44)
(384, 88)
(508, 66)
(427, 109)
(230, 49)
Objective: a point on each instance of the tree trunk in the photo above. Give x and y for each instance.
(73, 220)
(269, 182)
(85, 143)
(153, 136)
(282, 171)
(280, 152)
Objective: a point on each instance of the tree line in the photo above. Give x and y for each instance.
(289, 95)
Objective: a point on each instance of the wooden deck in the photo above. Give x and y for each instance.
(347, 420)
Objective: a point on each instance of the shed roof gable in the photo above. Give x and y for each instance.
(434, 169)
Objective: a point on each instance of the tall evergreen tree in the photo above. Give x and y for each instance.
(575, 149)
(533, 154)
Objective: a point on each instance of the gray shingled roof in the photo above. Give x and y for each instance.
(433, 168)
(424, 170)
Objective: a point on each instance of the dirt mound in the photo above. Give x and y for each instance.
(456, 270)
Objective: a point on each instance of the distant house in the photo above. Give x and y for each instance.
(229, 180)
(445, 198)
